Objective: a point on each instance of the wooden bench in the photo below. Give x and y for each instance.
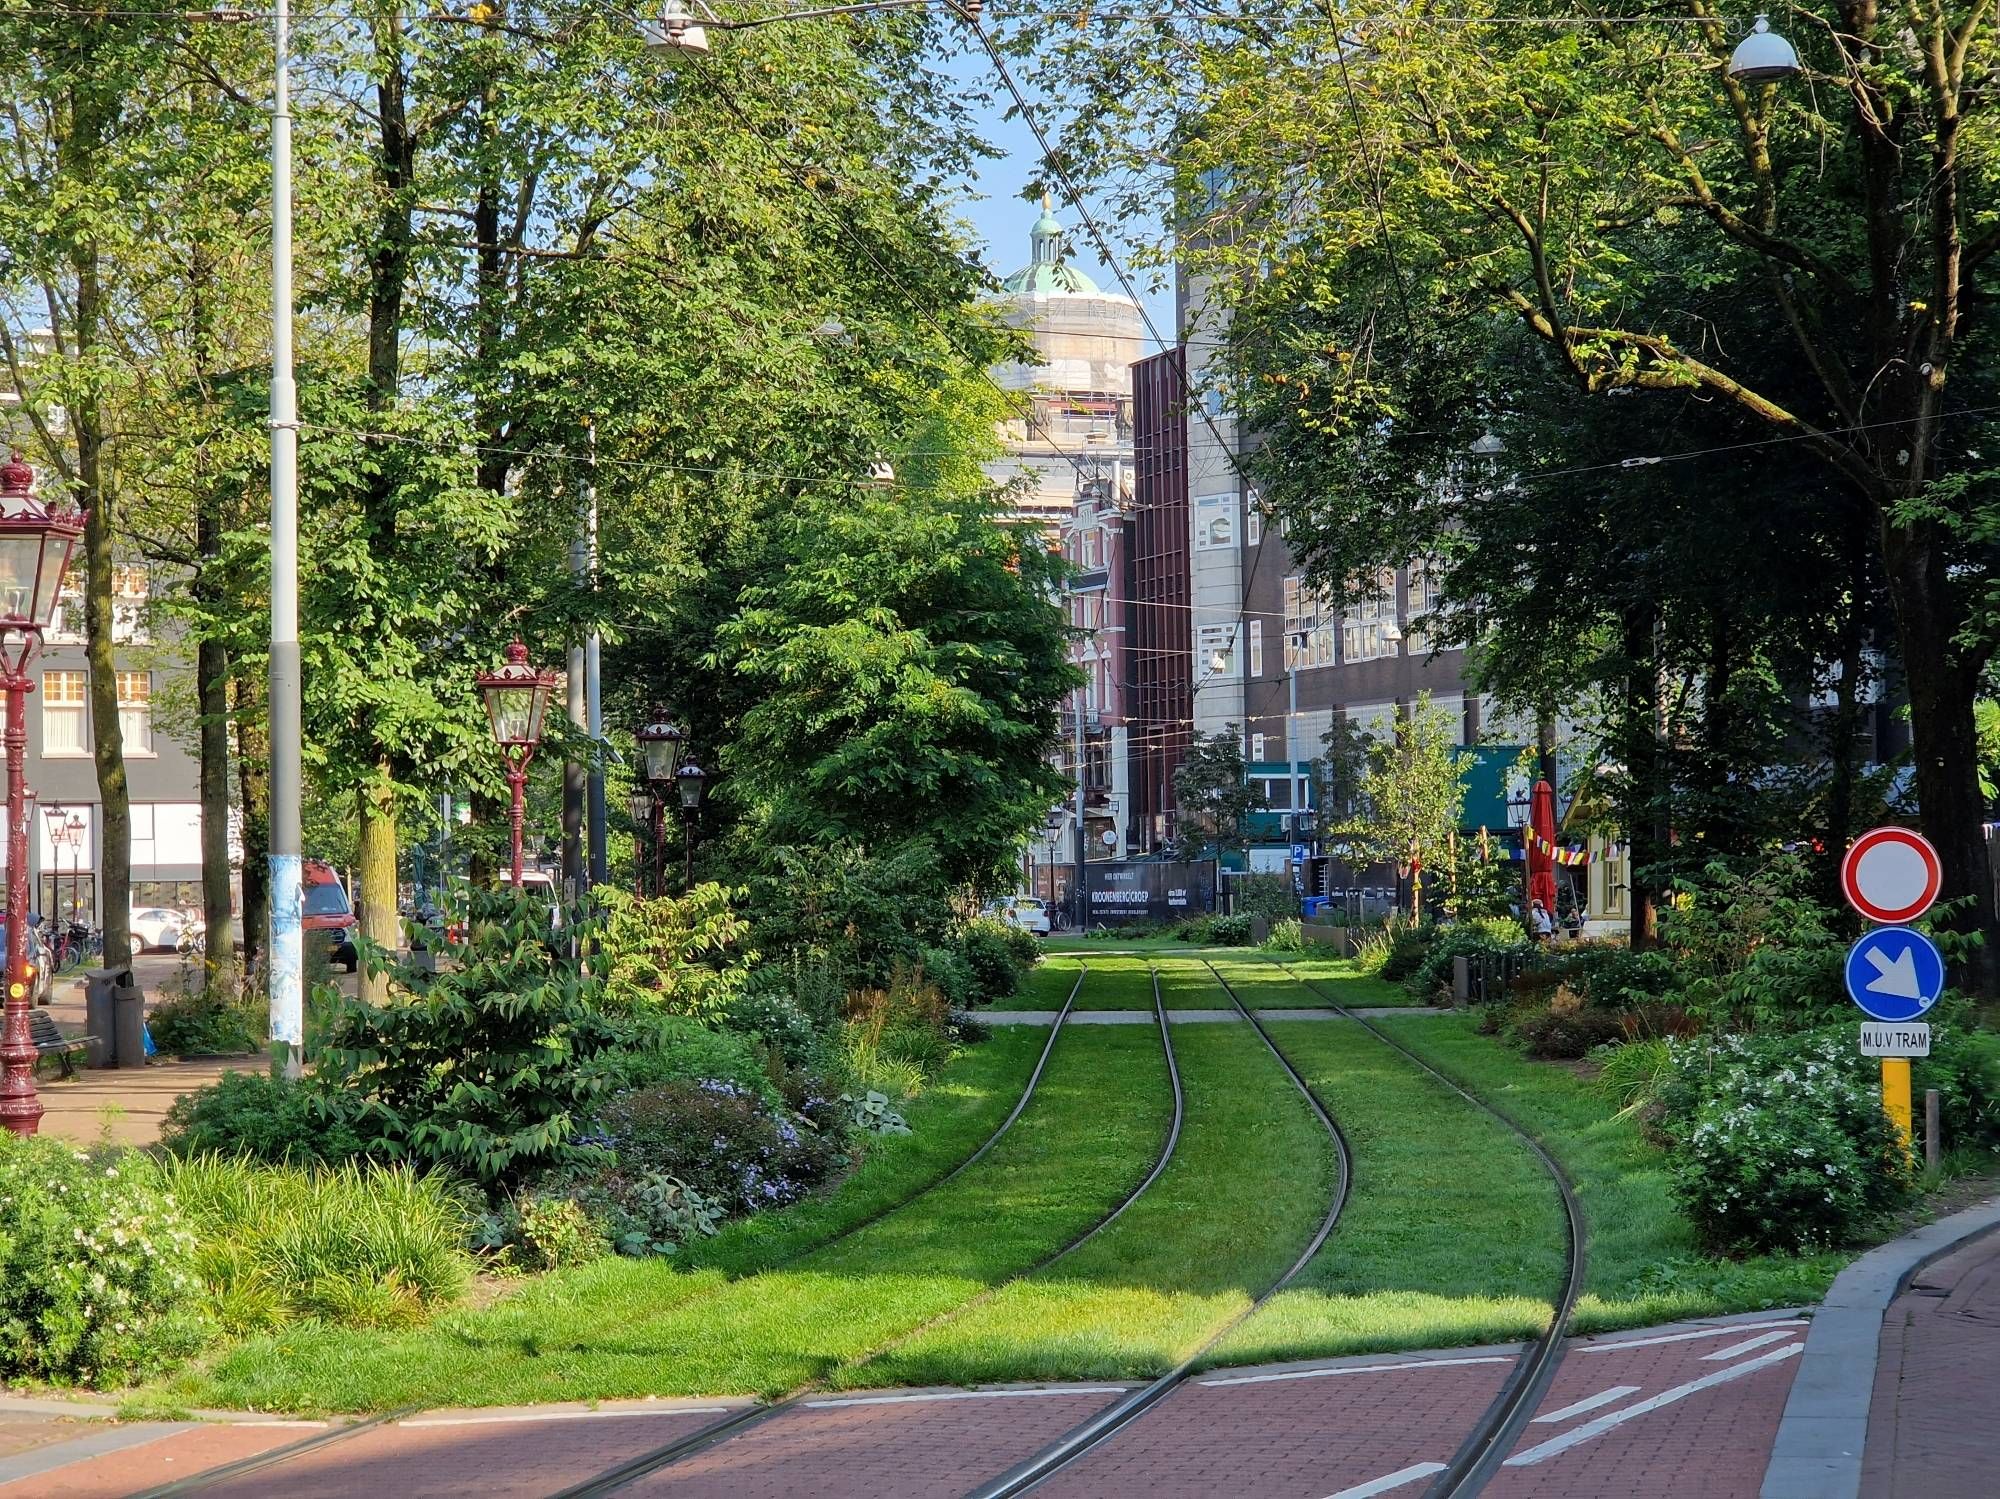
(51, 1042)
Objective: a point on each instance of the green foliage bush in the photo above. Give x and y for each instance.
(1565, 1035)
(1756, 951)
(363, 1246)
(1026, 947)
(862, 914)
(990, 954)
(1464, 939)
(97, 1267)
(946, 967)
(662, 1048)
(1964, 1068)
(266, 1118)
(206, 1022)
(1214, 931)
(1270, 896)
(772, 1019)
(1612, 976)
(1780, 1141)
(687, 954)
(1632, 1073)
(1288, 935)
(1409, 944)
(483, 1067)
(729, 1143)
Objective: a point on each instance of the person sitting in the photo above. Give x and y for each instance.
(1543, 927)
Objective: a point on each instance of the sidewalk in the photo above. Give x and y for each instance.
(1937, 1383)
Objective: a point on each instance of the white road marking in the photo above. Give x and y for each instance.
(1588, 1403)
(1687, 1337)
(1744, 1347)
(1431, 1363)
(1602, 1424)
(670, 1410)
(1094, 1389)
(1389, 1481)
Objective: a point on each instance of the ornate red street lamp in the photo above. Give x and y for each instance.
(35, 544)
(689, 781)
(640, 805)
(517, 698)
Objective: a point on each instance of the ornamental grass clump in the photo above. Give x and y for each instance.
(1780, 1143)
(362, 1246)
(97, 1279)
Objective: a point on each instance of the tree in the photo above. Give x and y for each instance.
(1214, 794)
(1432, 180)
(1412, 796)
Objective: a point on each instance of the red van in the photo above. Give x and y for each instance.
(329, 911)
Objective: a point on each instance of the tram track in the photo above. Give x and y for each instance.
(1092, 1434)
(1482, 1452)
(718, 1430)
(741, 1422)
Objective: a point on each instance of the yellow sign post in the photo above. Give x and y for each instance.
(1896, 1095)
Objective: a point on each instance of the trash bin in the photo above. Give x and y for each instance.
(100, 988)
(129, 1022)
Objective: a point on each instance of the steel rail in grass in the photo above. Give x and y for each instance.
(736, 1423)
(1080, 1440)
(1477, 1458)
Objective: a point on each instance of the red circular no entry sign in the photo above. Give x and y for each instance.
(1891, 875)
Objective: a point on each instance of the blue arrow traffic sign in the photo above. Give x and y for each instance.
(1894, 973)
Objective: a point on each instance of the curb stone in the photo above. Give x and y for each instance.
(1825, 1426)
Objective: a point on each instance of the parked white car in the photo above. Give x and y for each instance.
(157, 927)
(1028, 912)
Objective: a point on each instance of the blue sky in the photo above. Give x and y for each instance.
(1000, 218)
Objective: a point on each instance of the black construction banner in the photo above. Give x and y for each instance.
(1150, 892)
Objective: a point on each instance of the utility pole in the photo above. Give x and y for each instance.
(575, 876)
(1082, 889)
(287, 897)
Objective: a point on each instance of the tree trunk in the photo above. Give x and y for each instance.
(377, 876)
(1945, 745)
(211, 684)
(107, 737)
(253, 787)
(1640, 748)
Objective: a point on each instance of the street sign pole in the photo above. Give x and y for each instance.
(1892, 875)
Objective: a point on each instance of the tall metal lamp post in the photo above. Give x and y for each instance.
(35, 544)
(660, 742)
(640, 805)
(517, 699)
(689, 781)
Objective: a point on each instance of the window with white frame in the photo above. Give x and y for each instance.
(1253, 522)
(1423, 605)
(65, 710)
(1368, 632)
(129, 591)
(135, 711)
(1257, 745)
(1214, 522)
(1256, 648)
(1308, 628)
(1216, 652)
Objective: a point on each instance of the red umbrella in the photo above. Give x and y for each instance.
(1542, 848)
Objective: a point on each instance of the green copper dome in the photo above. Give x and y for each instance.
(1046, 274)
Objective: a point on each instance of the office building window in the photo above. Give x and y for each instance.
(1368, 632)
(1256, 648)
(1308, 628)
(1216, 647)
(1257, 749)
(135, 711)
(1214, 522)
(1253, 523)
(65, 726)
(129, 591)
(1423, 607)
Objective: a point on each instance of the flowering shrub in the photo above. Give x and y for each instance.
(97, 1283)
(1781, 1142)
(725, 1141)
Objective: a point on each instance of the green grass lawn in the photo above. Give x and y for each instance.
(1248, 1185)
(1047, 986)
(627, 1328)
(1186, 984)
(1644, 1266)
(1343, 978)
(1451, 1234)
(1117, 984)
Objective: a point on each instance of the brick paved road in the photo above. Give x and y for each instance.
(1686, 1411)
(1937, 1384)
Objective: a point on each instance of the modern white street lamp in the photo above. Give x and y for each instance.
(1763, 56)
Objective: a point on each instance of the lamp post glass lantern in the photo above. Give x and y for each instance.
(517, 701)
(689, 781)
(660, 742)
(640, 806)
(35, 545)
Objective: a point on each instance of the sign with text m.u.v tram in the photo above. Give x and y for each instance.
(1144, 891)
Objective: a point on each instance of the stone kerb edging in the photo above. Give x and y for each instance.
(1825, 1426)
